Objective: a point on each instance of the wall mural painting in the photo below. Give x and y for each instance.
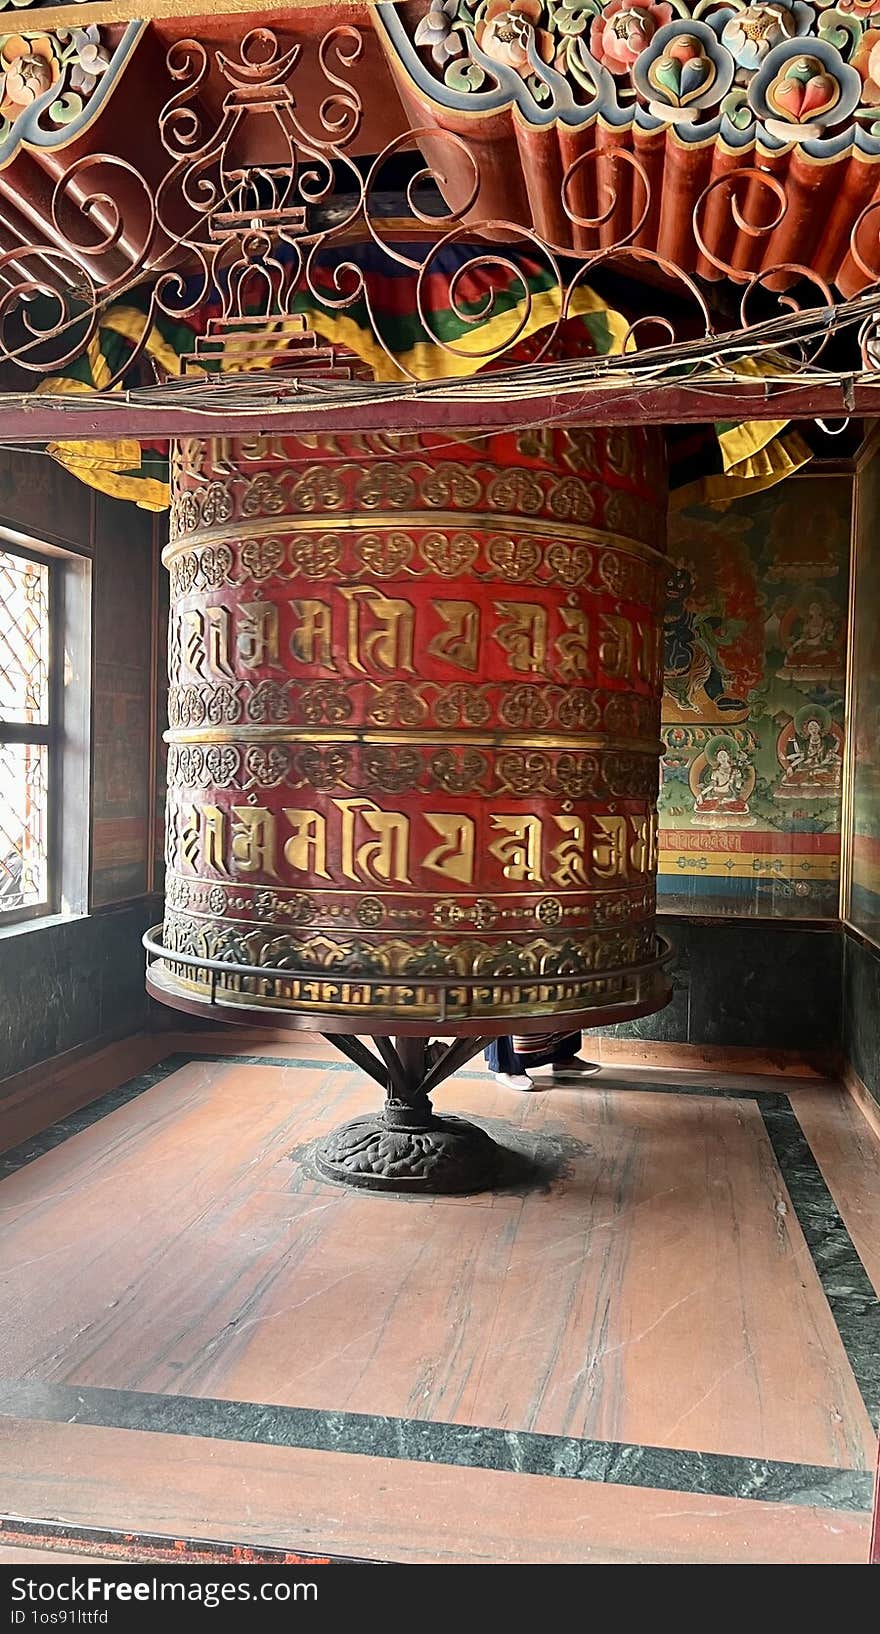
(753, 706)
(863, 908)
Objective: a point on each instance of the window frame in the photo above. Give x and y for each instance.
(66, 731)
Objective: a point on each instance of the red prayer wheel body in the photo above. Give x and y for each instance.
(414, 729)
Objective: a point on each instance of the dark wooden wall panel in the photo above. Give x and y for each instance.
(38, 497)
(122, 716)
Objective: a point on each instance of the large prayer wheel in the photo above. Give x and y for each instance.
(414, 730)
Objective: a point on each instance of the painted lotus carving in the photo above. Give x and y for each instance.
(866, 61)
(860, 8)
(683, 71)
(33, 66)
(508, 29)
(798, 70)
(437, 31)
(623, 30)
(804, 91)
(749, 34)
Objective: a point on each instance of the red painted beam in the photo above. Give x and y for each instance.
(37, 420)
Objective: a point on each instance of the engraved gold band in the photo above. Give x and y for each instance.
(629, 982)
(352, 890)
(365, 521)
(461, 736)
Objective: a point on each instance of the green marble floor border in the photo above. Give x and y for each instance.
(844, 1281)
(429, 1441)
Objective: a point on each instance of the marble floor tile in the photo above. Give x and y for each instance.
(389, 1510)
(657, 1291)
(30, 1101)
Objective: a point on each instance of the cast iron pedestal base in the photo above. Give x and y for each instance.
(435, 1155)
(406, 1147)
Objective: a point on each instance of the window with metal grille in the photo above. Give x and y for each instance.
(29, 774)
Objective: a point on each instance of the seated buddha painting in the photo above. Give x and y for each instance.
(721, 780)
(811, 634)
(810, 751)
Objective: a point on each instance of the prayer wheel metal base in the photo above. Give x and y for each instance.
(375, 1152)
(444, 1156)
(407, 1147)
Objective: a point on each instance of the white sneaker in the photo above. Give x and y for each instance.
(513, 1080)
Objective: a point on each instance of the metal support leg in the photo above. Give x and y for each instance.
(406, 1146)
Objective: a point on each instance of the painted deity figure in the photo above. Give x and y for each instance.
(818, 632)
(722, 786)
(811, 637)
(691, 659)
(721, 780)
(810, 754)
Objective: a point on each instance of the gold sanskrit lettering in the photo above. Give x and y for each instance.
(220, 461)
(188, 456)
(615, 645)
(573, 649)
(261, 448)
(206, 638)
(620, 452)
(253, 840)
(380, 860)
(257, 642)
(522, 634)
(570, 855)
(390, 646)
(609, 847)
(217, 641)
(643, 850)
(213, 838)
(454, 858)
(458, 644)
(579, 449)
(536, 441)
(312, 640)
(190, 835)
(193, 633)
(320, 440)
(306, 850)
(518, 847)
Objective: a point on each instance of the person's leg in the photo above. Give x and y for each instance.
(544, 1049)
(567, 1048)
(501, 1060)
(561, 1062)
(493, 1054)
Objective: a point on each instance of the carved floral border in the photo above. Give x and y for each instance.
(782, 71)
(52, 83)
